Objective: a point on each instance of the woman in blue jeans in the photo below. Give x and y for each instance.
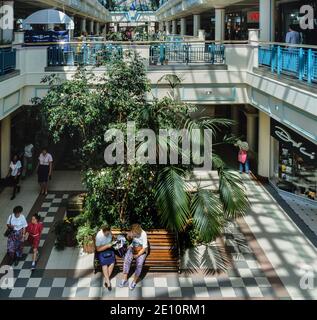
(138, 251)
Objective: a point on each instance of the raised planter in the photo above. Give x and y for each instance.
(75, 205)
(89, 247)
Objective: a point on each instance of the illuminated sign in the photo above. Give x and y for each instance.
(253, 17)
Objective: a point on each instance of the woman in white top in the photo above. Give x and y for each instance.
(17, 225)
(106, 254)
(14, 174)
(138, 251)
(44, 170)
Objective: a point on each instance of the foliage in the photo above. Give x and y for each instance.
(152, 194)
(85, 234)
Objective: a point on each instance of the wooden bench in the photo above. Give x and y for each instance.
(163, 251)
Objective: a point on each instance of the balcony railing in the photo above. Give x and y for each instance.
(87, 54)
(299, 63)
(187, 53)
(7, 60)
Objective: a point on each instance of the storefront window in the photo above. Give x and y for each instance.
(294, 165)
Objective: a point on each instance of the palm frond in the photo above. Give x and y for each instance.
(207, 214)
(172, 198)
(232, 194)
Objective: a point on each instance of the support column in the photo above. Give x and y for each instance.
(196, 24)
(183, 26)
(267, 20)
(174, 27)
(264, 145)
(5, 136)
(97, 28)
(167, 27)
(83, 27)
(219, 24)
(91, 26)
(235, 117)
(72, 31)
(161, 26)
(251, 129)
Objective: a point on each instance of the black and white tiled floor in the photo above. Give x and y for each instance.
(245, 279)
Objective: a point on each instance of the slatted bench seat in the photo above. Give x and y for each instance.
(163, 252)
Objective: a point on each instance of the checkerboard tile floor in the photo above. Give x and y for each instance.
(245, 279)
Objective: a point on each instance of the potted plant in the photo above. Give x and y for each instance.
(65, 234)
(86, 238)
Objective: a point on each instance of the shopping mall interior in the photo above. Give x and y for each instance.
(252, 63)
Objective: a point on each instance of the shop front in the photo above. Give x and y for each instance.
(293, 162)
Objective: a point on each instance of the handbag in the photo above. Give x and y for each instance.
(9, 230)
(107, 253)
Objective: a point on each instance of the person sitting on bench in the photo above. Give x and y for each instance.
(138, 251)
(106, 254)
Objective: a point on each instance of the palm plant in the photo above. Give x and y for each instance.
(178, 203)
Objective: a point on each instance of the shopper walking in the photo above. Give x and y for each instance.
(44, 170)
(106, 254)
(243, 159)
(33, 236)
(138, 251)
(14, 174)
(16, 225)
(27, 159)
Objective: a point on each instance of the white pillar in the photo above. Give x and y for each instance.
(97, 28)
(83, 27)
(183, 26)
(115, 27)
(196, 24)
(264, 145)
(71, 32)
(251, 129)
(161, 26)
(92, 26)
(167, 27)
(219, 24)
(174, 27)
(235, 117)
(254, 37)
(6, 21)
(5, 136)
(267, 20)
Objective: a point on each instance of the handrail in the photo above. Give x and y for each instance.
(284, 44)
(133, 43)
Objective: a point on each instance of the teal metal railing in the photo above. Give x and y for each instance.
(295, 62)
(186, 53)
(90, 54)
(7, 60)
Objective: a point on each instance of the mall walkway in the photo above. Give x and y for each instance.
(270, 266)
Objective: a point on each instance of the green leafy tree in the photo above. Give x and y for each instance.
(153, 194)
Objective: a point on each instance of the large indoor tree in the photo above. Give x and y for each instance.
(155, 195)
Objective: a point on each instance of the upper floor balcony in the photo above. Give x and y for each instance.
(295, 64)
(7, 61)
(171, 9)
